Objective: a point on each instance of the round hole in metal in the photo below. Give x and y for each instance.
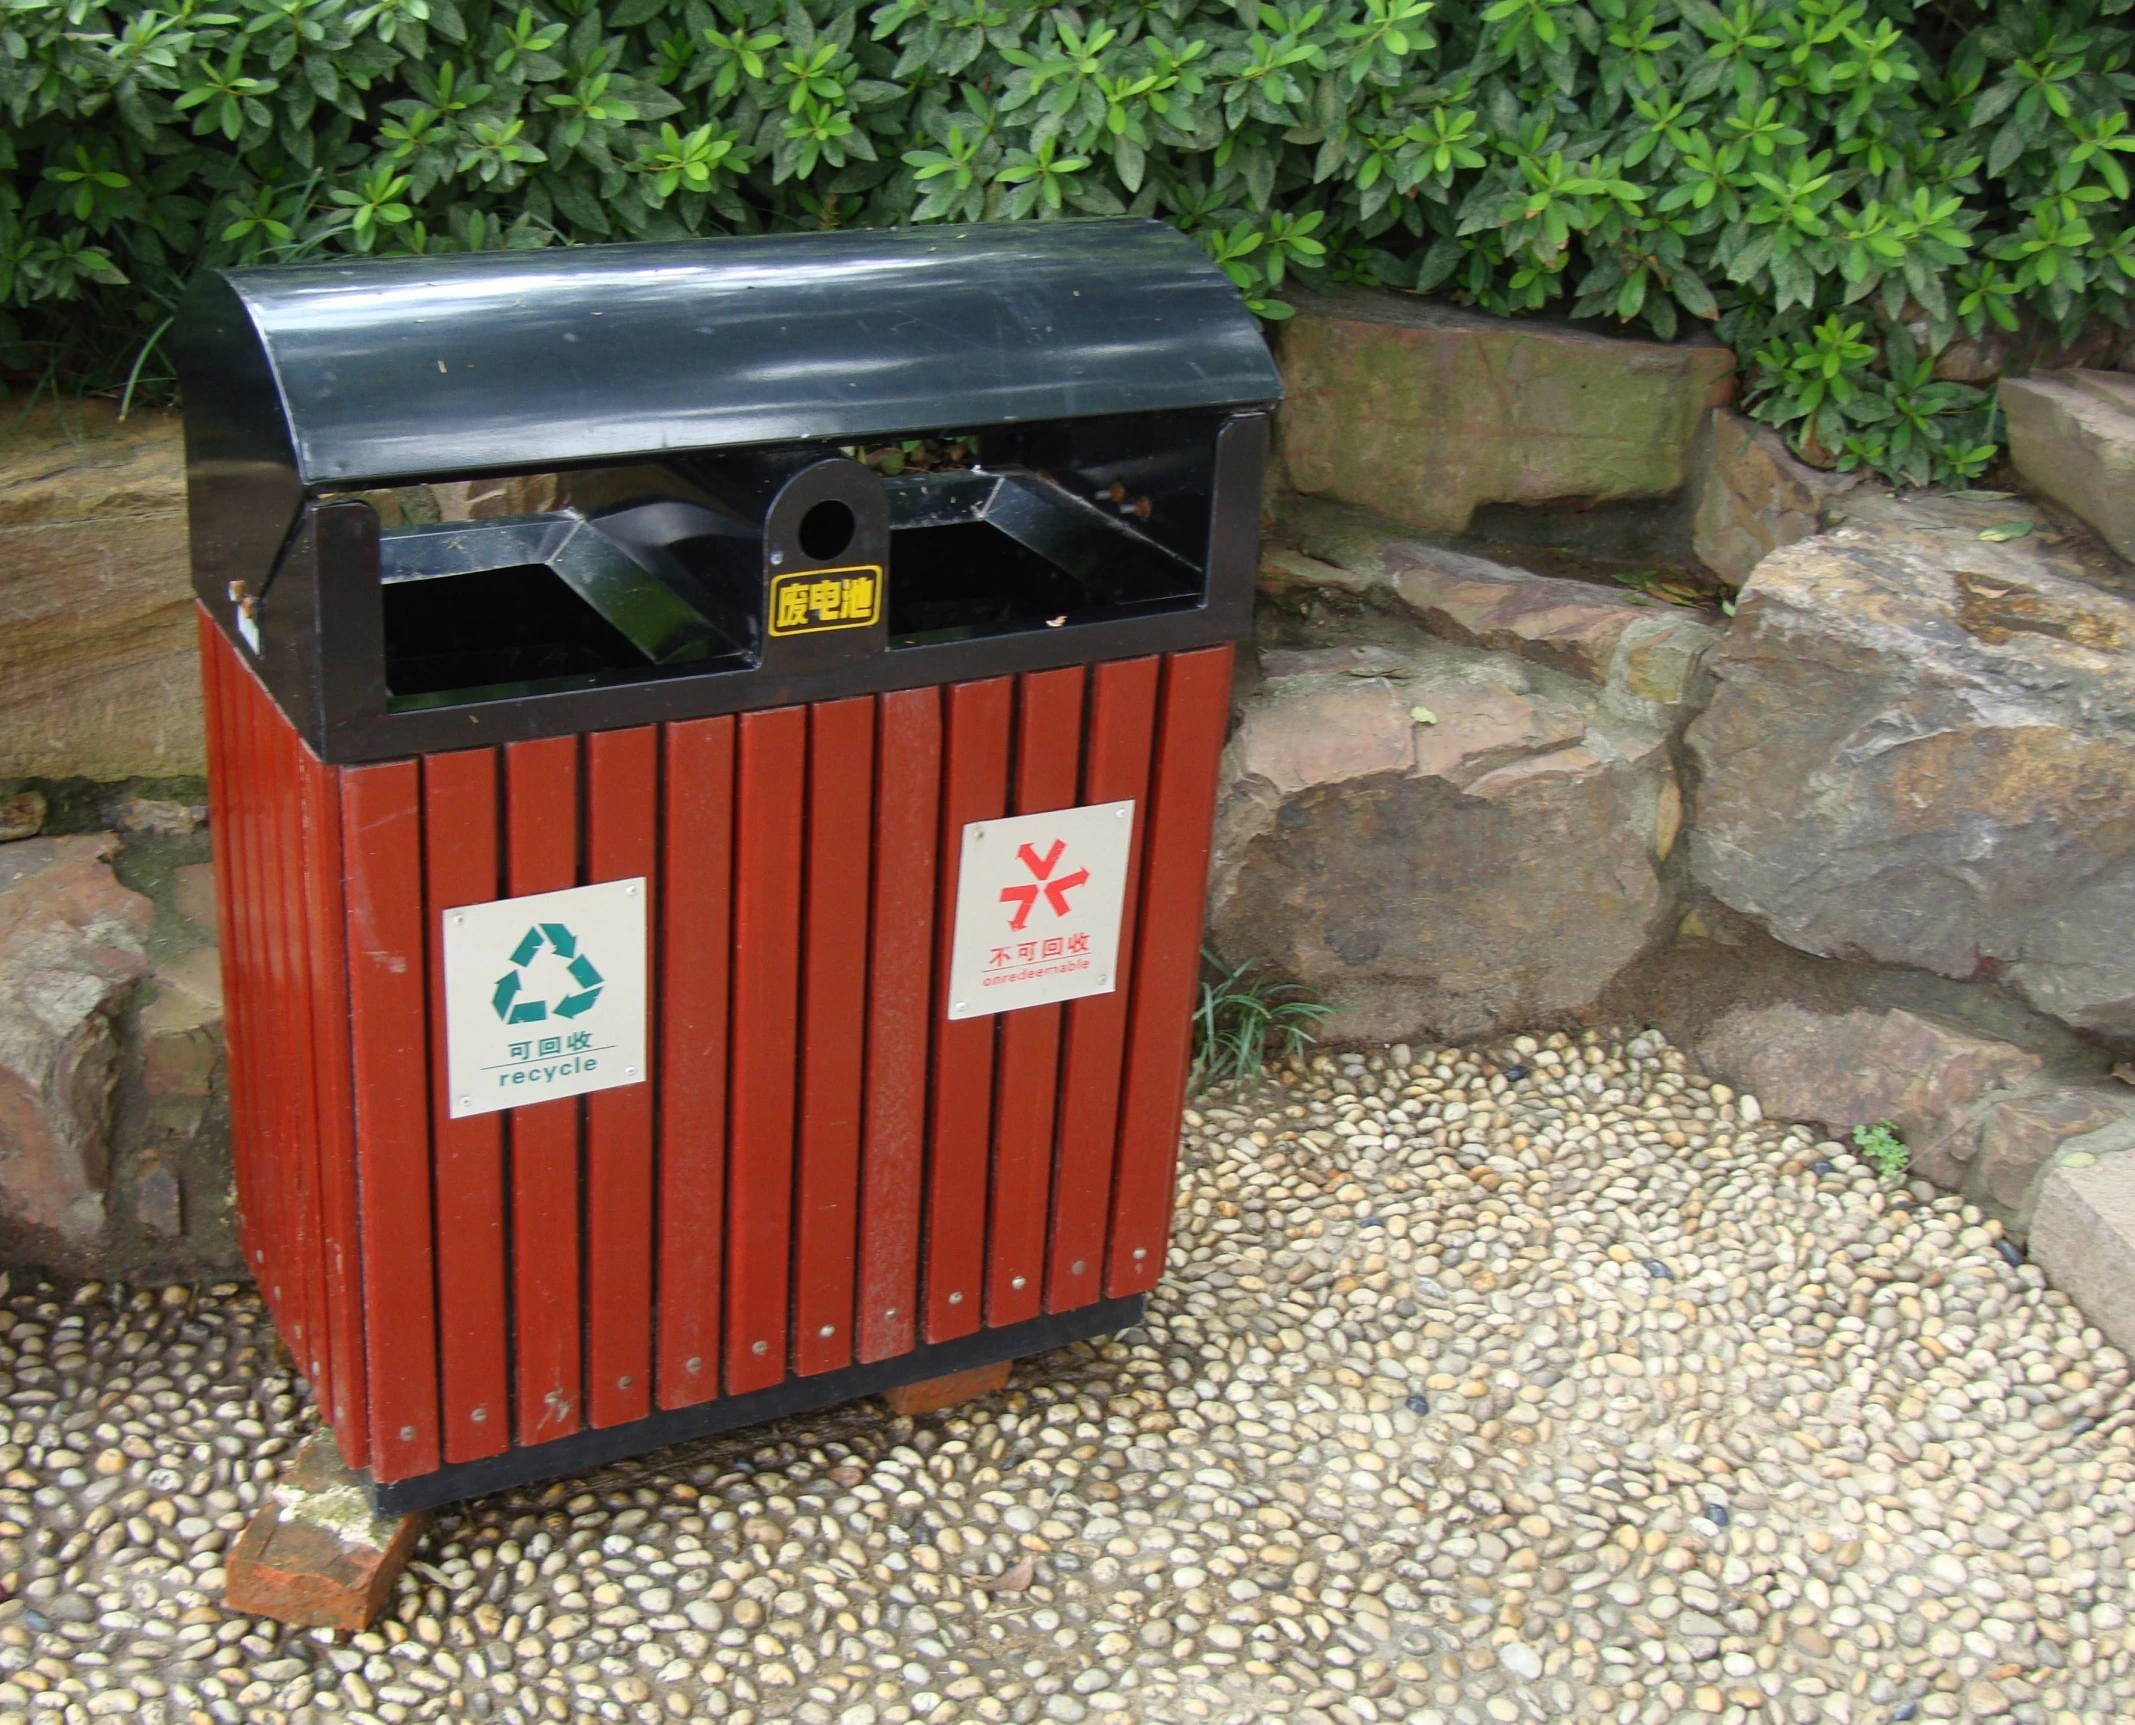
(827, 529)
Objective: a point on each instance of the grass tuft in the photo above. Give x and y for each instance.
(1242, 1021)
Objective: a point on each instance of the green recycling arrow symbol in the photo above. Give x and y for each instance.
(509, 998)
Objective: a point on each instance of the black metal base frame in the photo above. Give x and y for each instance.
(586, 1450)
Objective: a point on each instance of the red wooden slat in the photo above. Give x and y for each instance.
(770, 790)
(974, 788)
(541, 852)
(899, 1015)
(841, 771)
(306, 1028)
(460, 839)
(309, 1270)
(1122, 725)
(697, 938)
(252, 981)
(226, 833)
(341, 1259)
(1048, 760)
(622, 843)
(292, 1249)
(1195, 714)
(381, 822)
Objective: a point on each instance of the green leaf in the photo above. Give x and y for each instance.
(2002, 531)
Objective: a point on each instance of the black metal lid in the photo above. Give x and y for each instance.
(424, 367)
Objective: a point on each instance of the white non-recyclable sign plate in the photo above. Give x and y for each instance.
(1038, 899)
(545, 996)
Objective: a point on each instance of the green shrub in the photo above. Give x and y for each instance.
(1882, 1149)
(1838, 186)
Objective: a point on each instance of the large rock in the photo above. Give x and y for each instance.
(71, 945)
(1423, 411)
(1920, 752)
(1643, 653)
(2072, 437)
(97, 671)
(1750, 495)
(1845, 1069)
(2016, 1137)
(1438, 841)
(2083, 1237)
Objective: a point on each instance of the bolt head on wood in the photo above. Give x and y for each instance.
(931, 1395)
(315, 1556)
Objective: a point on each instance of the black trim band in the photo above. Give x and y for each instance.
(586, 1450)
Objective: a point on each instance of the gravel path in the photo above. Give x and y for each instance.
(1535, 1383)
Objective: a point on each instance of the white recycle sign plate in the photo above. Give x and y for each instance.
(1038, 901)
(545, 996)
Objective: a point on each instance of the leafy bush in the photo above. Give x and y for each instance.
(1838, 186)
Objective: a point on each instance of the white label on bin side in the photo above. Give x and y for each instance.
(1038, 900)
(545, 996)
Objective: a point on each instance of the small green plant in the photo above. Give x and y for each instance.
(1241, 1020)
(1882, 1149)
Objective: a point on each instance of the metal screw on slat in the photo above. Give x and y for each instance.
(891, 1313)
(1077, 1268)
(828, 1330)
(407, 1434)
(956, 1299)
(1141, 1251)
(1018, 1282)
(630, 1072)
(759, 1347)
(693, 1364)
(479, 1415)
(622, 1383)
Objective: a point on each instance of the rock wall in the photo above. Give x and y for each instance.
(97, 671)
(1422, 411)
(114, 1155)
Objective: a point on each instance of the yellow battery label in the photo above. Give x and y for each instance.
(813, 599)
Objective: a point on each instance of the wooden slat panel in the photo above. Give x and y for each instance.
(899, 1016)
(696, 920)
(541, 852)
(1121, 728)
(974, 788)
(770, 794)
(622, 843)
(460, 841)
(841, 771)
(382, 837)
(341, 1254)
(1182, 808)
(1048, 762)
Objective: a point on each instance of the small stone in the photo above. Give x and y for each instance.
(1986, 1700)
(21, 815)
(1521, 1660)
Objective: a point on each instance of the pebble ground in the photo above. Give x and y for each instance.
(1543, 1382)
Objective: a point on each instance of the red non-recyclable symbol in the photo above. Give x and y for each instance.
(1025, 896)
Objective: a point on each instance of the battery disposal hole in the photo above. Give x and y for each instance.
(827, 529)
